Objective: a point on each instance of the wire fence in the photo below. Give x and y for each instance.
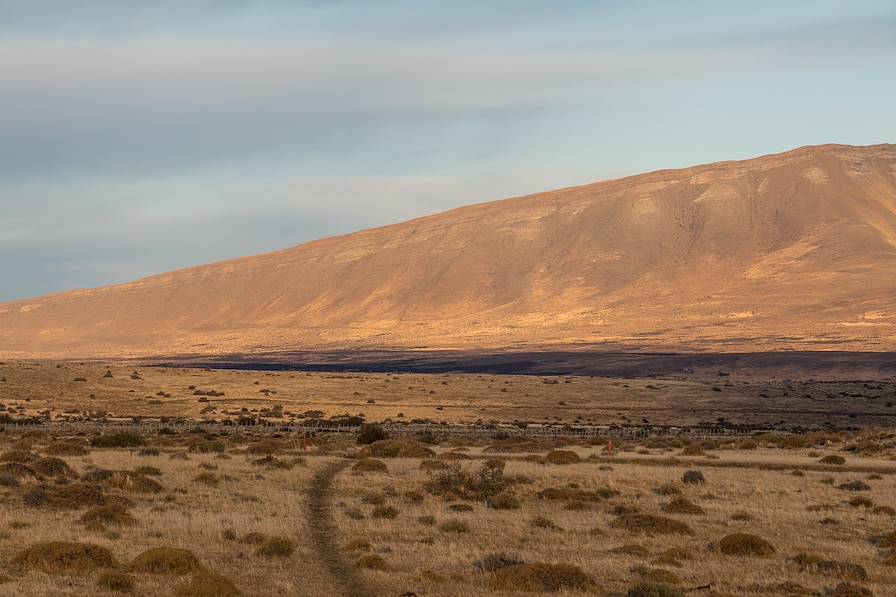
(393, 429)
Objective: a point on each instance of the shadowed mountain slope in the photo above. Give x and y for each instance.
(793, 250)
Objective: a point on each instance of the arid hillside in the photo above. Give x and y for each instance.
(794, 250)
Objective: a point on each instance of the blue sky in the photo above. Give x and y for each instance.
(137, 138)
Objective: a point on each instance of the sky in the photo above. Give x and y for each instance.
(142, 137)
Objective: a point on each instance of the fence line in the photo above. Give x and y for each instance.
(394, 429)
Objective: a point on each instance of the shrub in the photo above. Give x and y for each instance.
(745, 545)
(413, 497)
(496, 561)
(61, 556)
(833, 459)
(650, 524)
(506, 500)
(562, 457)
(474, 485)
(370, 465)
(209, 446)
(276, 547)
(108, 515)
(861, 501)
(130, 481)
(693, 478)
(66, 449)
(387, 512)
(52, 467)
(204, 583)
(253, 538)
(397, 448)
(166, 560)
(20, 456)
(65, 497)
(846, 570)
(681, 505)
(371, 433)
(148, 470)
(885, 541)
(454, 526)
(372, 562)
(540, 578)
(667, 489)
(460, 507)
(117, 440)
(119, 582)
(427, 519)
(657, 575)
(854, 486)
(209, 479)
(542, 522)
(884, 511)
(16, 470)
(576, 494)
(354, 513)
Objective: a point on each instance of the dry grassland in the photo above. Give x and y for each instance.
(199, 515)
(73, 391)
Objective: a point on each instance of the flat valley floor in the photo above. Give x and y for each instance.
(196, 513)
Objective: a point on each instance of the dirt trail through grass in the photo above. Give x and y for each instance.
(323, 533)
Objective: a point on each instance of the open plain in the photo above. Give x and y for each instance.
(206, 482)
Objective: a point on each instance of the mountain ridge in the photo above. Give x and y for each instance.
(725, 255)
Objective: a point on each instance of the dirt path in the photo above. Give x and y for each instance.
(323, 534)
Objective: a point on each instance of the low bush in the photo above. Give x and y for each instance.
(397, 448)
(693, 478)
(387, 512)
(117, 440)
(496, 561)
(542, 522)
(372, 562)
(650, 524)
(833, 459)
(854, 486)
(115, 515)
(844, 570)
(276, 547)
(56, 557)
(166, 560)
(456, 481)
(454, 526)
(506, 500)
(51, 466)
(745, 545)
(681, 505)
(540, 578)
